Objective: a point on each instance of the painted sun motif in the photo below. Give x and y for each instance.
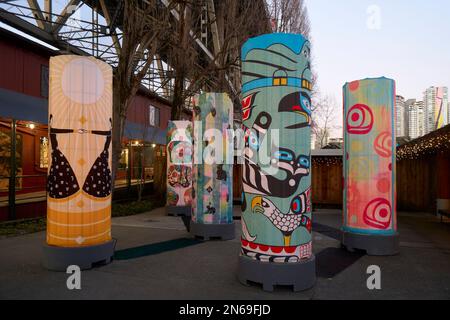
(84, 86)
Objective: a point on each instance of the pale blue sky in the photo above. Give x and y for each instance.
(412, 45)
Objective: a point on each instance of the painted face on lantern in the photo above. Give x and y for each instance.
(282, 176)
(276, 173)
(274, 67)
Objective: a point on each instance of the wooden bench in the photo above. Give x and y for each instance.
(444, 213)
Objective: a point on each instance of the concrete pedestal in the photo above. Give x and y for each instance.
(374, 245)
(208, 231)
(301, 275)
(59, 258)
(178, 211)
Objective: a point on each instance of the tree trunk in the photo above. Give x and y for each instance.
(178, 96)
(159, 176)
(120, 102)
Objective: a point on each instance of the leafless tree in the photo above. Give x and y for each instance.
(230, 23)
(151, 27)
(289, 16)
(324, 116)
(144, 25)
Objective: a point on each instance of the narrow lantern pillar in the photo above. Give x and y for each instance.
(179, 168)
(370, 219)
(276, 214)
(212, 197)
(79, 185)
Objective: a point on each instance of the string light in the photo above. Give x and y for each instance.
(431, 144)
(327, 160)
(428, 145)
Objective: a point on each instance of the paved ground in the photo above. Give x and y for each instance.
(208, 270)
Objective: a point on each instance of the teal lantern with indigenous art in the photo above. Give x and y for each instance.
(276, 243)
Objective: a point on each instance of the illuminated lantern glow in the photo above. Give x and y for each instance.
(212, 196)
(370, 218)
(79, 186)
(276, 243)
(179, 168)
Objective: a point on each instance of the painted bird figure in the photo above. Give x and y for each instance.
(286, 223)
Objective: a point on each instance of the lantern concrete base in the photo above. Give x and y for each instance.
(178, 211)
(301, 276)
(208, 231)
(59, 258)
(374, 245)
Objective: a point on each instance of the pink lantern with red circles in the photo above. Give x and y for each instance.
(370, 218)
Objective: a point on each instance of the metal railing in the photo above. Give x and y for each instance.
(20, 190)
(22, 193)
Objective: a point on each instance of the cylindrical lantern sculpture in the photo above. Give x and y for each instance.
(276, 215)
(79, 182)
(212, 196)
(370, 220)
(179, 168)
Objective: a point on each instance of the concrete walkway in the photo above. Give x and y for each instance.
(208, 270)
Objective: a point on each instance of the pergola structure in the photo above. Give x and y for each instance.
(93, 27)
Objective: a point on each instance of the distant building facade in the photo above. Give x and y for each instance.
(416, 119)
(401, 114)
(436, 108)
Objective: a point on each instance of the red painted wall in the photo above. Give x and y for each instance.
(21, 68)
(20, 71)
(138, 112)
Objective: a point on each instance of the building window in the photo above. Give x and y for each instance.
(5, 160)
(44, 81)
(123, 161)
(154, 116)
(143, 162)
(43, 152)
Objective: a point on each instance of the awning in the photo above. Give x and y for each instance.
(134, 131)
(19, 106)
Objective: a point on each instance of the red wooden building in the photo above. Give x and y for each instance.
(23, 97)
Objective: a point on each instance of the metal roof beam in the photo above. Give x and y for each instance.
(67, 12)
(112, 32)
(37, 14)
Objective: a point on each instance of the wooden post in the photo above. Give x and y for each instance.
(12, 175)
(443, 178)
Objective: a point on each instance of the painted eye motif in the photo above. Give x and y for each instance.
(306, 102)
(265, 204)
(283, 155)
(304, 162)
(296, 206)
(253, 141)
(306, 53)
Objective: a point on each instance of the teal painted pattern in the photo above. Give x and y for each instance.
(276, 219)
(212, 201)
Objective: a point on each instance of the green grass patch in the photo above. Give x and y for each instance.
(21, 227)
(133, 208)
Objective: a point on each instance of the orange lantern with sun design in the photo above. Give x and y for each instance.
(79, 185)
